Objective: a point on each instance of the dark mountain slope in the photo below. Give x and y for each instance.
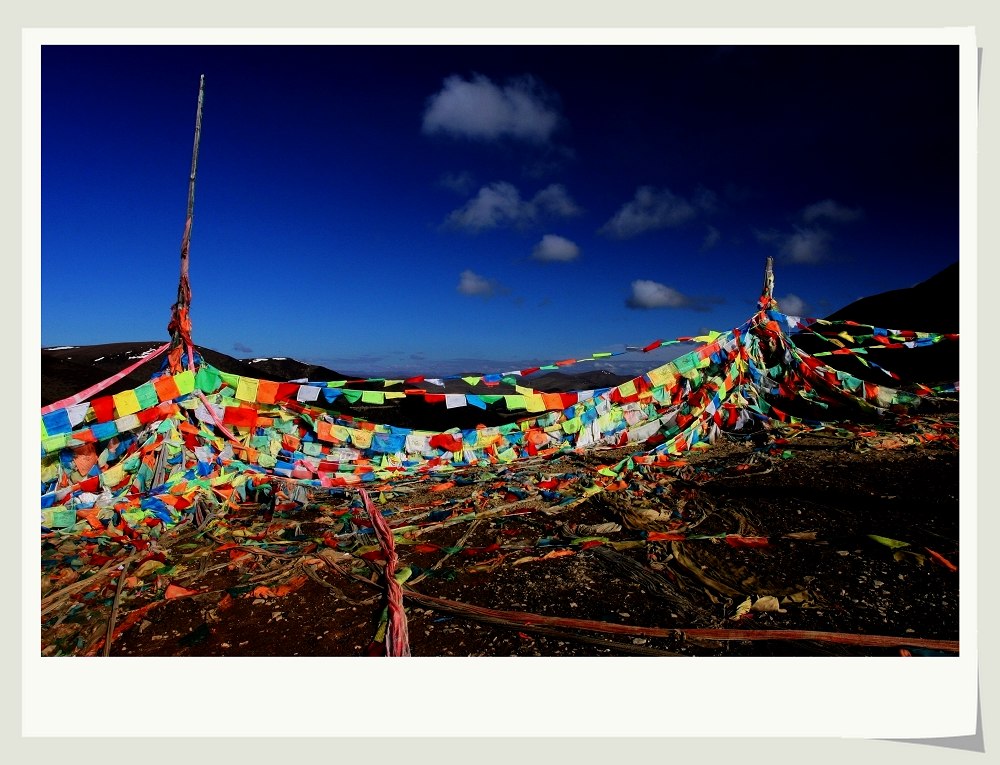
(930, 306)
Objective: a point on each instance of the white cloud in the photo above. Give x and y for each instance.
(650, 294)
(500, 204)
(649, 210)
(555, 248)
(809, 240)
(829, 210)
(493, 206)
(480, 109)
(793, 305)
(471, 283)
(712, 238)
(805, 245)
(555, 200)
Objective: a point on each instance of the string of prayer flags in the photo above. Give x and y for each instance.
(153, 450)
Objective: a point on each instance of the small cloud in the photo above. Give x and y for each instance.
(793, 305)
(712, 238)
(809, 241)
(238, 346)
(831, 211)
(500, 204)
(649, 210)
(479, 109)
(461, 183)
(554, 200)
(493, 206)
(553, 248)
(649, 294)
(471, 283)
(805, 245)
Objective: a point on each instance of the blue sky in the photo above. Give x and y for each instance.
(436, 209)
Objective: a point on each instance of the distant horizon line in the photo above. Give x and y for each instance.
(623, 363)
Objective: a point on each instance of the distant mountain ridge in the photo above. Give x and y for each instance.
(66, 370)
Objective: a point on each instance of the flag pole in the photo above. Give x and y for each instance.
(180, 317)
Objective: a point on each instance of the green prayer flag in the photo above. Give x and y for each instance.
(207, 379)
(146, 394)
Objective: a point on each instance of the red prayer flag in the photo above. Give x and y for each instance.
(104, 408)
(240, 416)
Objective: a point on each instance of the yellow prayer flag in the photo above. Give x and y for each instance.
(126, 402)
(361, 438)
(246, 389)
(113, 476)
(534, 403)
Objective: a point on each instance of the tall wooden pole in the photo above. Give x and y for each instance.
(194, 174)
(180, 319)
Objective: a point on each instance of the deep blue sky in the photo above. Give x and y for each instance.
(386, 209)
